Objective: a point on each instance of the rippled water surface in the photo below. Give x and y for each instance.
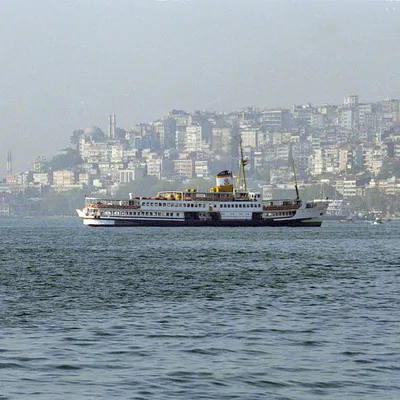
(199, 313)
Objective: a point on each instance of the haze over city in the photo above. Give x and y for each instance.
(69, 64)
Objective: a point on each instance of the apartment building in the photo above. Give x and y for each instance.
(42, 178)
(64, 178)
(184, 167)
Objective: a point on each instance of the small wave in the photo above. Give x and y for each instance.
(68, 367)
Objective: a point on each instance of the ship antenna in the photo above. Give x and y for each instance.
(295, 181)
(241, 182)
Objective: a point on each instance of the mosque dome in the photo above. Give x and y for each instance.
(94, 133)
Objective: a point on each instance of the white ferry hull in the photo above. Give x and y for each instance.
(128, 222)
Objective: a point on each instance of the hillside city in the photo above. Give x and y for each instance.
(349, 151)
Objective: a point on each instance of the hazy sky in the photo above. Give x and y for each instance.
(67, 64)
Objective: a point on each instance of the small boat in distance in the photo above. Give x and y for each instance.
(223, 205)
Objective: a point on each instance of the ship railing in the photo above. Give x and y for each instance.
(281, 207)
(108, 205)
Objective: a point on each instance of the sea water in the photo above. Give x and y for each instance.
(199, 313)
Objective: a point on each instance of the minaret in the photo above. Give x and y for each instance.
(113, 125)
(112, 121)
(110, 126)
(9, 163)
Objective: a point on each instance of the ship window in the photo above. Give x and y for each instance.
(151, 213)
(147, 213)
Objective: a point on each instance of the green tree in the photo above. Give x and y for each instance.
(62, 203)
(76, 135)
(375, 199)
(390, 167)
(54, 204)
(318, 192)
(69, 160)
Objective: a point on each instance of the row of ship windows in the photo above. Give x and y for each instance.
(239, 205)
(172, 204)
(192, 205)
(281, 214)
(144, 213)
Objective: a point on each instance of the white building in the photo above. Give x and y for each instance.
(201, 169)
(42, 178)
(154, 167)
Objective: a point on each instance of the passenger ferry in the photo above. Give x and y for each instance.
(223, 205)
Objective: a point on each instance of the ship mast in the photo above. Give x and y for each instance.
(241, 181)
(295, 181)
